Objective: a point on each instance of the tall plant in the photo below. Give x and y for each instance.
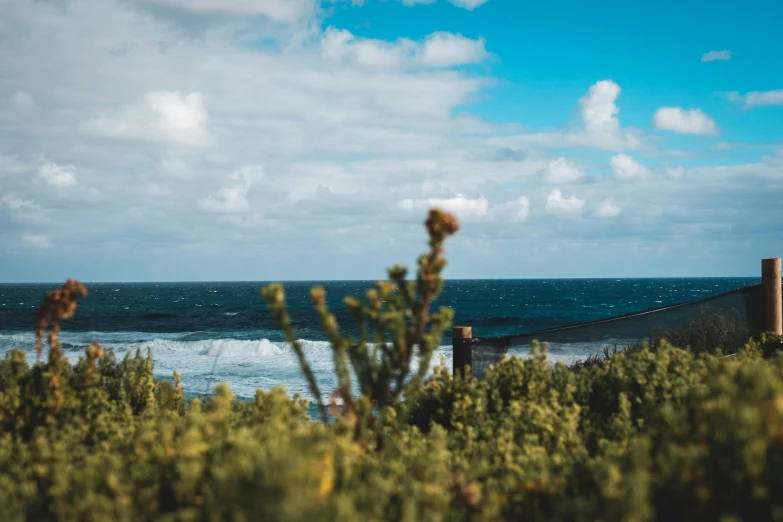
(394, 322)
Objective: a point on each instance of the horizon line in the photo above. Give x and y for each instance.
(206, 281)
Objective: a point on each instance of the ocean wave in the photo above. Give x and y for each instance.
(167, 344)
(26, 339)
(218, 347)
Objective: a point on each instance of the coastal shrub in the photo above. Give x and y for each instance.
(659, 433)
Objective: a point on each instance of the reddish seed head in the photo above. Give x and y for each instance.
(441, 224)
(57, 305)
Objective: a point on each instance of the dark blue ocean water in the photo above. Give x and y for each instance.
(222, 332)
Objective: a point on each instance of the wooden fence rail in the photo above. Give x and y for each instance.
(462, 336)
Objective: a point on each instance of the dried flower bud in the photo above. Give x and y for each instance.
(441, 224)
(58, 305)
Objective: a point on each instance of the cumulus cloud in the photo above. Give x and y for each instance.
(37, 241)
(691, 121)
(607, 209)
(754, 99)
(59, 176)
(712, 56)
(461, 206)
(444, 49)
(438, 50)
(559, 205)
(598, 110)
(163, 115)
(233, 199)
(562, 170)
(626, 167)
(599, 126)
(514, 211)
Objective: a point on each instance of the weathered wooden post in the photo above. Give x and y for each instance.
(773, 301)
(461, 348)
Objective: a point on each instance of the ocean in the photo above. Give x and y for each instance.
(222, 332)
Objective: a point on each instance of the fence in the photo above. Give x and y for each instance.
(759, 307)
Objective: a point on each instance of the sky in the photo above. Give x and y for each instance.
(209, 140)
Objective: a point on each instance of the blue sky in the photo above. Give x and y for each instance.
(152, 140)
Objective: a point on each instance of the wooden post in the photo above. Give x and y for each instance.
(773, 303)
(461, 348)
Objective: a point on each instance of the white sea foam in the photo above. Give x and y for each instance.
(244, 364)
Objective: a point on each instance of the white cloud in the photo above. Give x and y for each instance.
(23, 101)
(468, 4)
(341, 45)
(465, 4)
(562, 170)
(756, 98)
(515, 211)
(277, 10)
(607, 209)
(228, 200)
(598, 110)
(438, 50)
(23, 211)
(600, 126)
(459, 205)
(691, 121)
(233, 199)
(711, 56)
(557, 204)
(60, 176)
(37, 241)
(626, 167)
(163, 115)
(443, 49)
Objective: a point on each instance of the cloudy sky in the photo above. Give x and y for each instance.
(153, 140)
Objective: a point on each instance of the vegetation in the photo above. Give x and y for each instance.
(643, 434)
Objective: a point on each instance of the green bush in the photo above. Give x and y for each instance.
(642, 434)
